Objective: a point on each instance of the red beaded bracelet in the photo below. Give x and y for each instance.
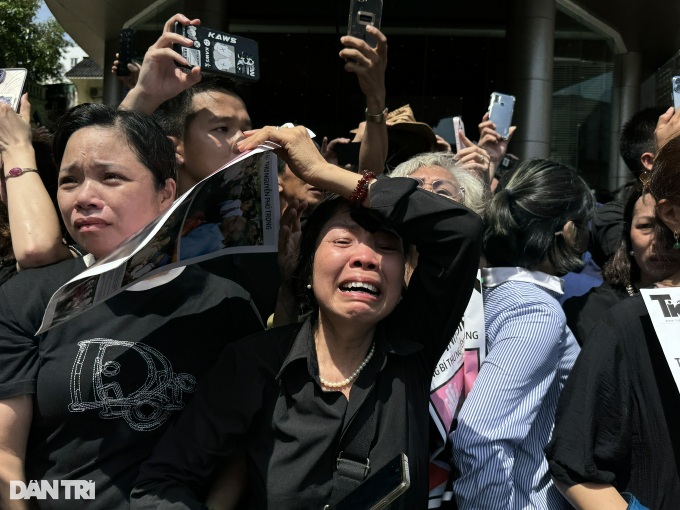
(359, 194)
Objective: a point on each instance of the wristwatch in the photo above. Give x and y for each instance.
(378, 118)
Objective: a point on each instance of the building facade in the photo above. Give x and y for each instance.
(578, 68)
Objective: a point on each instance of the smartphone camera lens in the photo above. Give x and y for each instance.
(676, 85)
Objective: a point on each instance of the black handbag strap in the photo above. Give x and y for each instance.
(353, 464)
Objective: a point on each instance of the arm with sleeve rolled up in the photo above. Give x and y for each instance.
(34, 222)
(503, 403)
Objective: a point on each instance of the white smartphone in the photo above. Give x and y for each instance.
(500, 112)
(675, 86)
(458, 126)
(12, 83)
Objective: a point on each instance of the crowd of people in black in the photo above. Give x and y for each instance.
(291, 379)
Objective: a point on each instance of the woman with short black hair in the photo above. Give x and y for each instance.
(88, 399)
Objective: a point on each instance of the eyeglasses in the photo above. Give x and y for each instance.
(443, 187)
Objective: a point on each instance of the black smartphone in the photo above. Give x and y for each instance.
(218, 52)
(126, 51)
(348, 153)
(12, 83)
(361, 14)
(380, 489)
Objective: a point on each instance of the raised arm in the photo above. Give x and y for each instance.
(476, 160)
(493, 143)
(159, 77)
(304, 159)
(34, 224)
(369, 65)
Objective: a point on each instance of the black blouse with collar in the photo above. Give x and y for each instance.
(264, 394)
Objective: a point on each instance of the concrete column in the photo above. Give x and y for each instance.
(113, 88)
(531, 33)
(625, 103)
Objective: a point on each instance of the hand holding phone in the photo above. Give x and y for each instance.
(218, 52)
(12, 83)
(126, 51)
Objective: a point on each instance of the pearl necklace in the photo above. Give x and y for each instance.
(354, 375)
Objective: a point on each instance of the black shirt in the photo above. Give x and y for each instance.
(265, 393)
(584, 312)
(618, 418)
(108, 382)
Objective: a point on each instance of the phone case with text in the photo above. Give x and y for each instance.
(218, 52)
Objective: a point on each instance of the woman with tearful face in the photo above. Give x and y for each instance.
(87, 399)
(296, 397)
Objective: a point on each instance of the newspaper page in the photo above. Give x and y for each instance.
(452, 380)
(233, 210)
(663, 305)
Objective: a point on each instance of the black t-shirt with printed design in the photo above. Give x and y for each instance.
(108, 382)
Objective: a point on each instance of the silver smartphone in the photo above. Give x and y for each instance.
(361, 14)
(458, 126)
(501, 108)
(380, 489)
(675, 88)
(12, 86)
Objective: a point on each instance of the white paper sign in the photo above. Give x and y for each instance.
(663, 305)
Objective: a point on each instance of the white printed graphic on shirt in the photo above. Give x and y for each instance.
(129, 380)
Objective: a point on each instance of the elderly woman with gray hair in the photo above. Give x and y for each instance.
(440, 173)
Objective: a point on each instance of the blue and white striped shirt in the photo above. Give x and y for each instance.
(508, 416)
